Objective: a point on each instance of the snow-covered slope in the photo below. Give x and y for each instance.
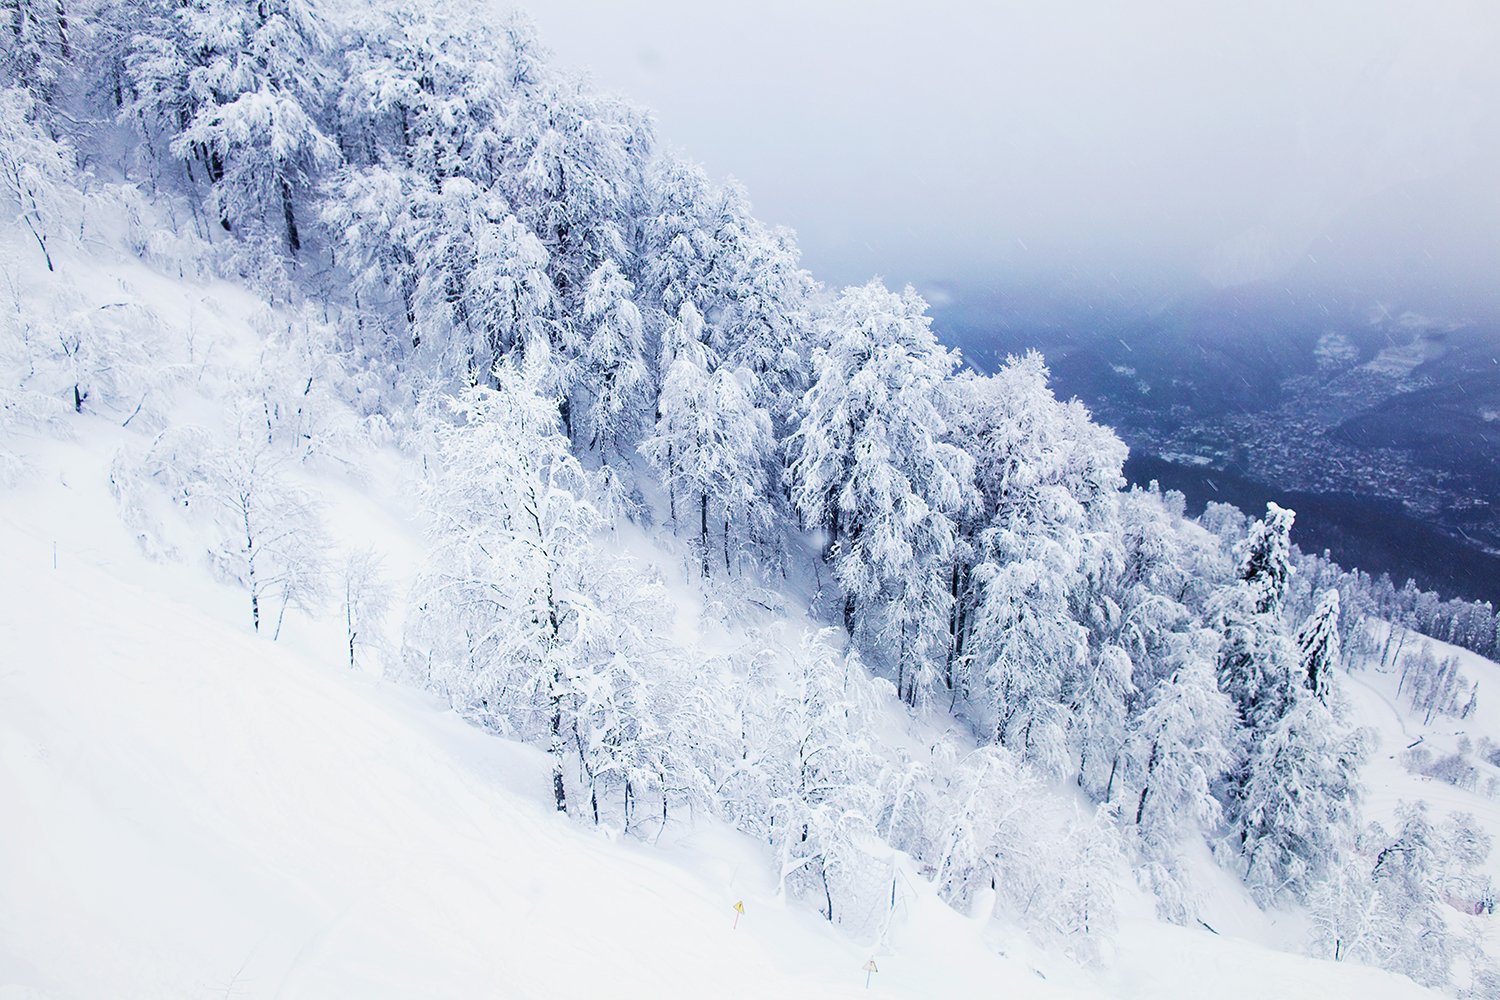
(194, 810)
(1374, 697)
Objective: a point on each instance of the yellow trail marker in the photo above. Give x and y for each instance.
(739, 908)
(869, 968)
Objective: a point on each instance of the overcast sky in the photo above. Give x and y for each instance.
(949, 143)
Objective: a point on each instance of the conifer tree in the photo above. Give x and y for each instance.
(1318, 645)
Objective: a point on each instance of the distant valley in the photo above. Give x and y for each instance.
(1379, 424)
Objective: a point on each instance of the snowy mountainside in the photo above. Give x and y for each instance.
(351, 352)
(195, 810)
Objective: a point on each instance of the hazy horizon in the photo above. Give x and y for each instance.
(971, 149)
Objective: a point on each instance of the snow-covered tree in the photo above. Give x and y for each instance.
(684, 361)
(993, 849)
(445, 237)
(1025, 645)
(985, 817)
(521, 618)
(371, 211)
(824, 804)
(1298, 808)
(254, 86)
(469, 280)
(1410, 936)
(421, 91)
(1318, 645)
(513, 304)
(870, 465)
(1179, 745)
(612, 370)
(618, 710)
(677, 238)
(1257, 663)
(38, 47)
(571, 162)
(37, 172)
(1388, 903)
(1098, 699)
(766, 321)
(1025, 630)
(711, 442)
(1266, 559)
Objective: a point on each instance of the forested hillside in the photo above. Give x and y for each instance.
(721, 545)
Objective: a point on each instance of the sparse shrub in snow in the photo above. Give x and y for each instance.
(263, 530)
(1053, 874)
(68, 353)
(25, 405)
(168, 244)
(299, 393)
(270, 539)
(1455, 770)
(366, 597)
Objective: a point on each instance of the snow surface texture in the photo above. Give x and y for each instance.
(194, 810)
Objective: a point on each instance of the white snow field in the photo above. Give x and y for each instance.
(191, 810)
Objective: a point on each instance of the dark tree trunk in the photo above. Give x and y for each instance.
(1140, 806)
(62, 31)
(293, 240)
(559, 793)
(703, 529)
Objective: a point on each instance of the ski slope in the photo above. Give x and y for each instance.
(1373, 697)
(191, 810)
